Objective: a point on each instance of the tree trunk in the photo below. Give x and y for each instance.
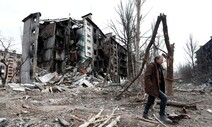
(138, 6)
(170, 59)
(130, 68)
(169, 76)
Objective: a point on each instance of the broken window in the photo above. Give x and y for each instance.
(95, 64)
(81, 48)
(88, 47)
(88, 24)
(89, 54)
(94, 41)
(95, 53)
(33, 32)
(89, 41)
(89, 29)
(94, 30)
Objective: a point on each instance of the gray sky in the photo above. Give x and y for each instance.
(184, 17)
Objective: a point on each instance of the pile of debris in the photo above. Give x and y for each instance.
(53, 82)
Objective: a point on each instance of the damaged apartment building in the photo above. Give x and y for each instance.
(204, 61)
(56, 44)
(10, 68)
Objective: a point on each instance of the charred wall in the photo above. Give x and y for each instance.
(57, 45)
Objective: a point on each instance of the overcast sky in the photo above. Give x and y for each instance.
(184, 17)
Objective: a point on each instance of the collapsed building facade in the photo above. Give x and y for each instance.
(204, 59)
(56, 44)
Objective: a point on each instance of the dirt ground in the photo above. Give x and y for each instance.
(77, 105)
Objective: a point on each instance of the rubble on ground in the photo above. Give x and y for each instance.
(73, 105)
(54, 82)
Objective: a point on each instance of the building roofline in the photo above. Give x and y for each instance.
(210, 41)
(91, 22)
(86, 15)
(31, 15)
(117, 42)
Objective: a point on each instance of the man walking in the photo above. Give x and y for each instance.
(155, 87)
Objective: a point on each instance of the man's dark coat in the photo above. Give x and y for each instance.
(152, 82)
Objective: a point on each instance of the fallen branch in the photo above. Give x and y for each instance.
(77, 118)
(197, 102)
(86, 124)
(97, 122)
(191, 90)
(179, 104)
(114, 122)
(101, 125)
(159, 121)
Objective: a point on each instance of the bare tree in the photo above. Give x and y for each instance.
(127, 33)
(6, 44)
(190, 49)
(139, 18)
(19, 63)
(169, 56)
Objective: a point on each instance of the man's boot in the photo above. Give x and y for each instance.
(146, 116)
(165, 119)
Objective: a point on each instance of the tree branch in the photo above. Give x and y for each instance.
(2, 43)
(145, 57)
(160, 49)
